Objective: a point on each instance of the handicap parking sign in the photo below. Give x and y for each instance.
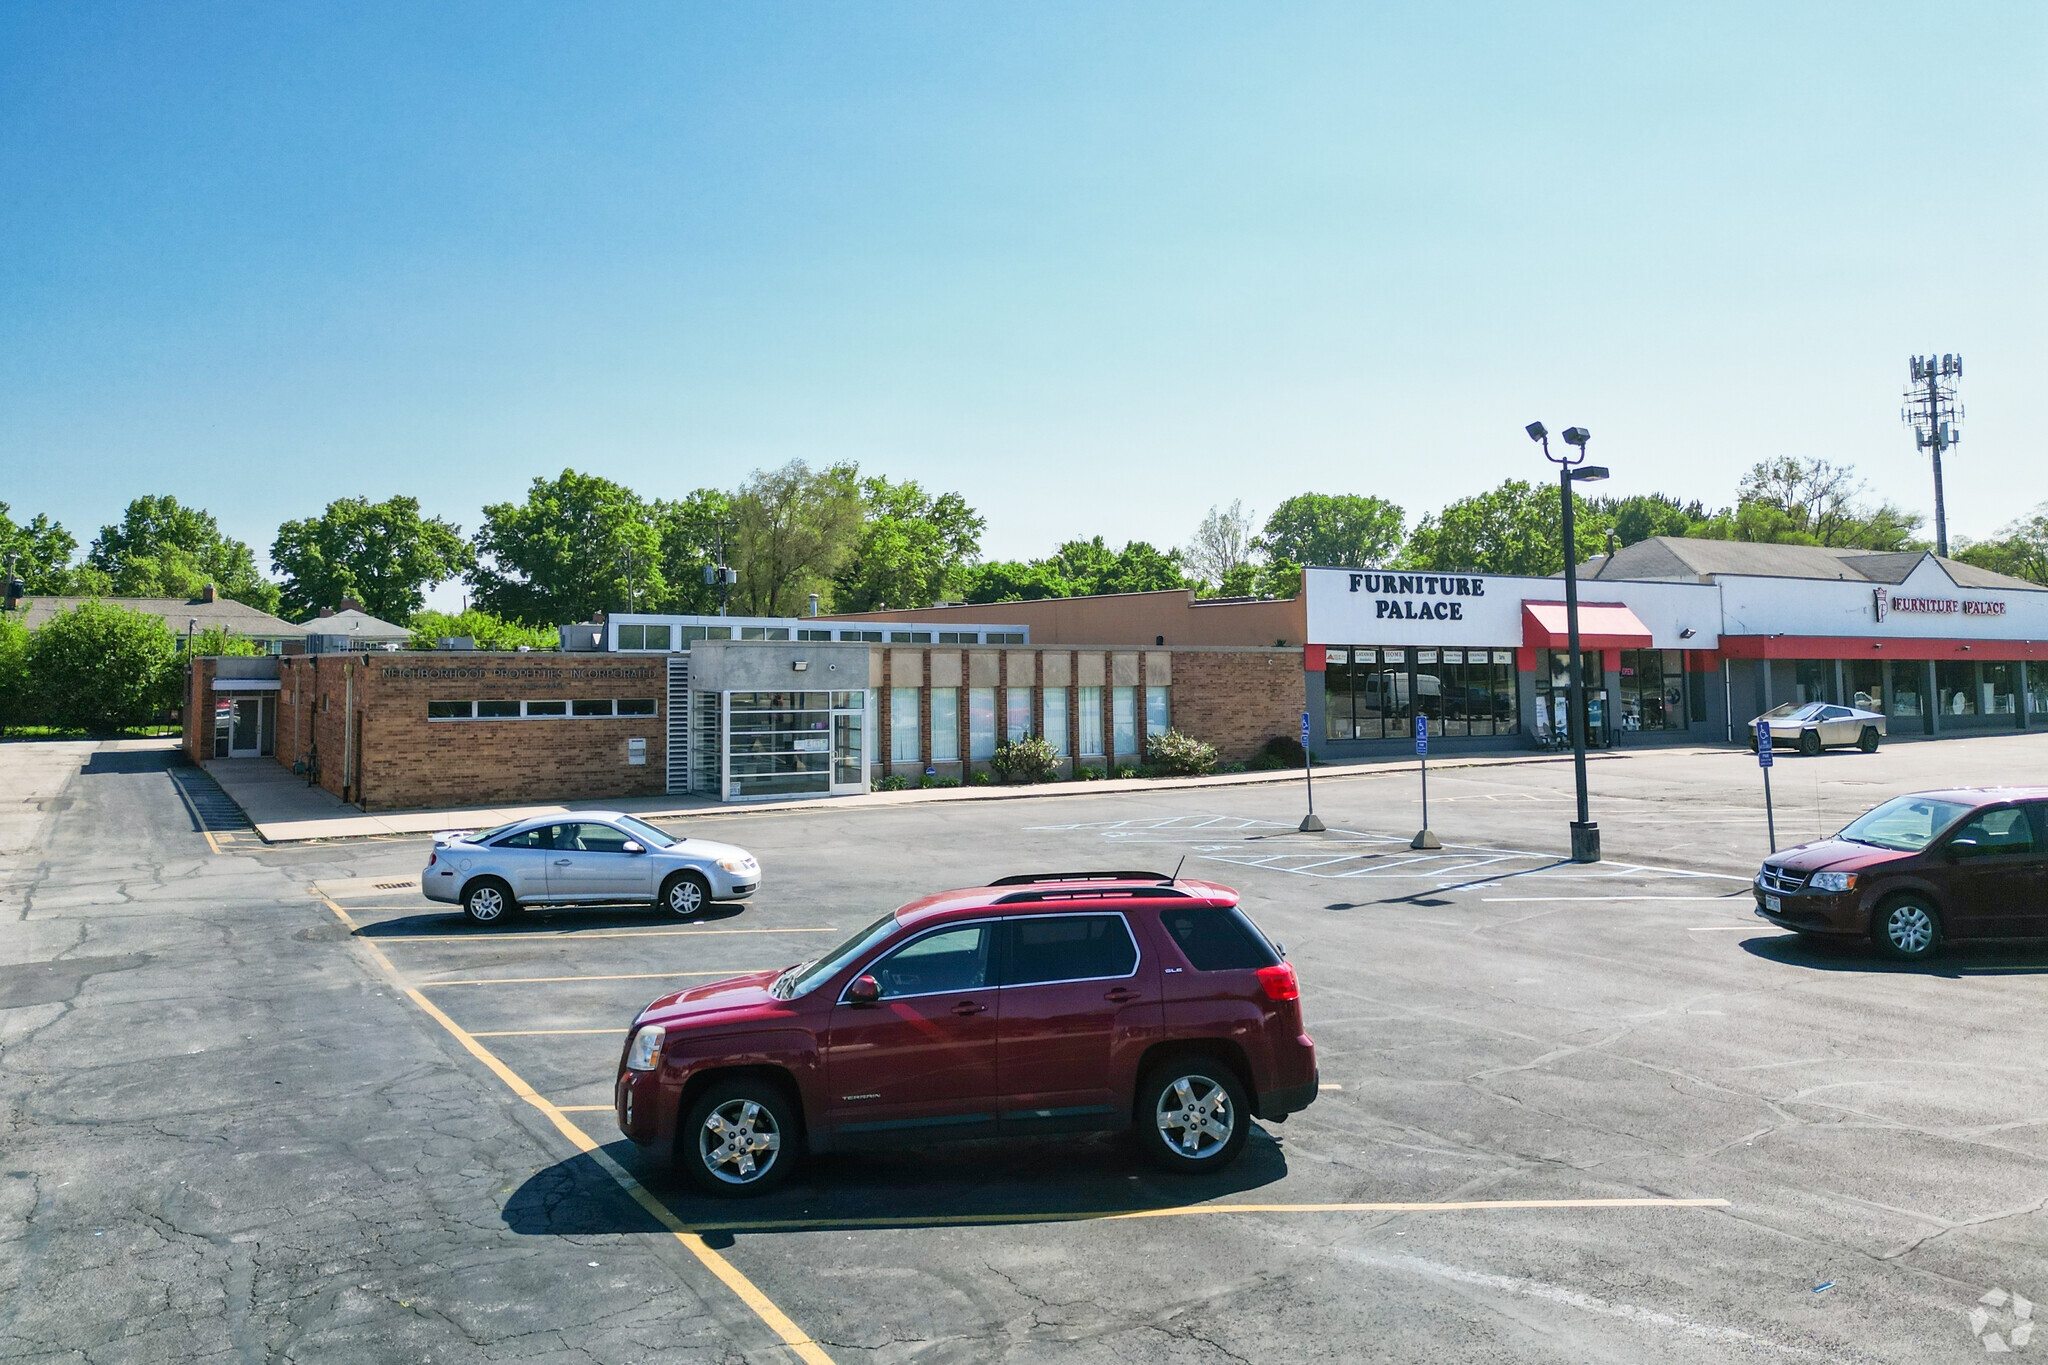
(1763, 744)
(1422, 735)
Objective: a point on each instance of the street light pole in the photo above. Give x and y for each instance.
(1585, 833)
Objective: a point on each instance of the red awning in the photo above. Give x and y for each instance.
(1602, 625)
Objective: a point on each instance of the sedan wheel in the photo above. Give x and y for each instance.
(686, 894)
(735, 1139)
(1908, 930)
(487, 902)
(1195, 1118)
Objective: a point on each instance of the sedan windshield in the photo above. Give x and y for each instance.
(646, 833)
(1905, 823)
(806, 976)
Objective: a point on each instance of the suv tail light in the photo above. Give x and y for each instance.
(1278, 982)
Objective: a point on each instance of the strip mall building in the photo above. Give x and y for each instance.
(1683, 641)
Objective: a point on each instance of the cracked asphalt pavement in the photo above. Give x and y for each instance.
(227, 1135)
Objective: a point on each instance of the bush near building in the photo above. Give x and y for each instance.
(1030, 759)
(99, 667)
(13, 675)
(1180, 755)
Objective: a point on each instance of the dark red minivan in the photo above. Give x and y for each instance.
(1970, 862)
(1038, 1004)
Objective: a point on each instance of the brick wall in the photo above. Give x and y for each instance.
(1237, 699)
(404, 760)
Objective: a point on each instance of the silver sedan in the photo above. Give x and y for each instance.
(590, 857)
(1812, 726)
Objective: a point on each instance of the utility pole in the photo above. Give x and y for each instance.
(1936, 418)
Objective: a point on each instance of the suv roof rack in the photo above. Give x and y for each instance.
(1096, 893)
(1037, 878)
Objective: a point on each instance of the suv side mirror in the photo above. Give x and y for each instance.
(864, 990)
(632, 846)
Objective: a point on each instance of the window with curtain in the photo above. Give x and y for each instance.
(1088, 702)
(1017, 714)
(1056, 719)
(1123, 721)
(945, 725)
(981, 723)
(903, 746)
(1158, 714)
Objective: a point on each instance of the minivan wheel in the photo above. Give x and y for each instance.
(488, 901)
(1908, 929)
(1192, 1116)
(1809, 742)
(685, 894)
(738, 1139)
(1867, 741)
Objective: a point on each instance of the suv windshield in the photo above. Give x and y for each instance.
(645, 833)
(806, 976)
(1905, 823)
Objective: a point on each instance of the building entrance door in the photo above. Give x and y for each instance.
(245, 727)
(849, 746)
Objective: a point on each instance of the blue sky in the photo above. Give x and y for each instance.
(1097, 267)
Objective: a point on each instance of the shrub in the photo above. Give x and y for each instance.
(891, 783)
(1262, 763)
(1230, 767)
(218, 641)
(14, 708)
(1287, 749)
(1181, 755)
(1031, 759)
(99, 667)
(981, 779)
(930, 780)
(1087, 774)
(1125, 771)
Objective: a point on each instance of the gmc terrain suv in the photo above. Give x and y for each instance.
(1039, 1004)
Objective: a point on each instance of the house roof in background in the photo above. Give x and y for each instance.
(359, 624)
(1688, 560)
(175, 612)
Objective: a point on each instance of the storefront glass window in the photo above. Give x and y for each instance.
(945, 725)
(903, 746)
(1652, 690)
(1017, 714)
(1158, 719)
(1864, 679)
(1955, 687)
(1123, 721)
(1374, 693)
(981, 723)
(1553, 689)
(778, 743)
(2037, 688)
(1998, 693)
(1056, 719)
(1814, 680)
(1088, 706)
(1908, 681)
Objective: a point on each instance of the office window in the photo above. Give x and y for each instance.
(959, 637)
(1056, 720)
(903, 746)
(590, 708)
(496, 710)
(981, 723)
(814, 635)
(1017, 714)
(945, 725)
(1123, 721)
(547, 708)
(656, 637)
(636, 706)
(764, 632)
(1006, 638)
(632, 637)
(910, 637)
(450, 710)
(873, 637)
(1088, 704)
(1158, 715)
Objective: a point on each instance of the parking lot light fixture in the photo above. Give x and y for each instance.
(1571, 469)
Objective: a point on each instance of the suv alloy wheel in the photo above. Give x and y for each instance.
(739, 1138)
(1192, 1116)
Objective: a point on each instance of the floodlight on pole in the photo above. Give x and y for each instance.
(1571, 468)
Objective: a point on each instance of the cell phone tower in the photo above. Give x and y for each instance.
(1936, 418)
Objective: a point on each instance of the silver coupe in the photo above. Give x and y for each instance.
(1812, 726)
(590, 857)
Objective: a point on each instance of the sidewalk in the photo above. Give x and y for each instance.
(285, 810)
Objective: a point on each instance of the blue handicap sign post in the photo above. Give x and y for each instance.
(1423, 837)
(1309, 823)
(1763, 760)
(1422, 735)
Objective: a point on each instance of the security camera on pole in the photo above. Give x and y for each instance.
(1572, 469)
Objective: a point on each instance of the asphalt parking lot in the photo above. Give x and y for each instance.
(268, 1103)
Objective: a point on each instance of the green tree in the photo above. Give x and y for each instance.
(489, 632)
(41, 550)
(101, 667)
(913, 550)
(2021, 549)
(1274, 579)
(1342, 530)
(1645, 515)
(14, 698)
(1080, 568)
(216, 641)
(1516, 528)
(1011, 580)
(575, 547)
(383, 554)
(1222, 545)
(1813, 502)
(161, 548)
(795, 528)
(688, 530)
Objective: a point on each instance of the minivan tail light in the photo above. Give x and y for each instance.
(1278, 982)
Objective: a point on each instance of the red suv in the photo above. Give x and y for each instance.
(1051, 1004)
(1971, 862)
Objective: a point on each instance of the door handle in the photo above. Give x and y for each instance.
(561, 862)
(1122, 993)
(967, 1009)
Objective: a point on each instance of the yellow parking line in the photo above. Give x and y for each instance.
(542, 1032)
(1198, 1210)
(532, 980)
(743, 1288)
(516, 937)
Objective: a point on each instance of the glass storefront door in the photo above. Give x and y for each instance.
(245, 727)
(849, 751)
